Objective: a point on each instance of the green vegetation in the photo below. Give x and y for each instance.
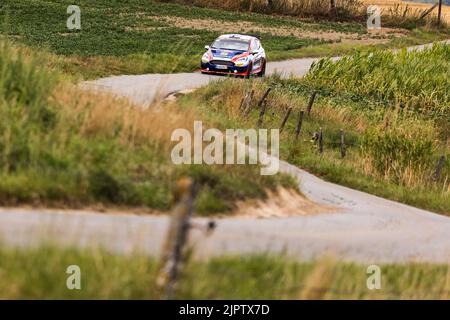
(62, 146)
(394, 135)
(345, 9)
(107, 276)
(144, 36)
(417, 81)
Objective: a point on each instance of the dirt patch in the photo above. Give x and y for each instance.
(280, 204)
(284, 31)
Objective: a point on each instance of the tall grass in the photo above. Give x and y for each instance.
(64, 146)
(108, 276)
(389, 153)
(302, 8)
(409, 17)
(415, 81)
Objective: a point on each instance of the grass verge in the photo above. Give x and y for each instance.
(394, 134)
(66, 147)
(108, 276)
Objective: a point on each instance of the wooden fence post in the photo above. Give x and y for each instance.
(173, 250)
(285, 119)
(428, 11)
(244, 98)
(261, 114)
(248, 105)
(440, 12)
(333, 9)
(311, 102)
(321, 141)
(299, 123)
(263, 98)
(439, 166)
(342, 144)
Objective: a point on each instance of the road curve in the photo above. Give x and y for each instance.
(144, 89)
(363, 227)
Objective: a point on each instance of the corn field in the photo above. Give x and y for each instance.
(416, 81)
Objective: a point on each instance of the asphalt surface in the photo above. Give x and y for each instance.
(363, 227)
(144, 89)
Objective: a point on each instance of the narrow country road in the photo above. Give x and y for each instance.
(363, 227)
(143, 89)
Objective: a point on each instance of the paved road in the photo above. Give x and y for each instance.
(143, 89)
(363, 228)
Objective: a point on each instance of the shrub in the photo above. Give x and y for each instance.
(398, 153)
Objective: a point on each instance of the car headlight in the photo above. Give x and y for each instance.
(206, 57)
(242, 62)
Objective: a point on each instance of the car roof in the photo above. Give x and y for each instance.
(236, 36)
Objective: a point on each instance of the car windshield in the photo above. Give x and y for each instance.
(228, 44)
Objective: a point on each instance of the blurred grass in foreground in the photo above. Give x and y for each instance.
(40, 273)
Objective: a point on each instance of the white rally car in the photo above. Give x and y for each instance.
(235, 54)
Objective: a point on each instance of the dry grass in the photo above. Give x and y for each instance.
(300, 8)
(412, 7)
(102, 114)
(414, 145)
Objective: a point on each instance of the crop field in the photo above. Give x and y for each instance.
(394, 5)
(153, 37)
(392, 107)
(418, 82)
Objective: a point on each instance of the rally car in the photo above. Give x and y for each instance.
(235, 54)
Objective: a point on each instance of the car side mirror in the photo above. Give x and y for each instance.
(206, 48)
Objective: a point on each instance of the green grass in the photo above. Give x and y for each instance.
(392, 151)
(65, 147)
(108, 276)
(418, 81)
(130, 38)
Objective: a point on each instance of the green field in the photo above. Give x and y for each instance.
(107, 276)
(144, 36)
(393, 108)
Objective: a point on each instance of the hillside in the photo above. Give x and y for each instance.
(140, 36)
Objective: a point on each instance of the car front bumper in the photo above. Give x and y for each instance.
(218, 69)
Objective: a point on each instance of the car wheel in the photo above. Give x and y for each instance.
(262, 73)
(249, 71)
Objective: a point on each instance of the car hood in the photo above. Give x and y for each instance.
(225, 54)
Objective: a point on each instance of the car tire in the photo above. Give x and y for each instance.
(249, 71)
(262, 73)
